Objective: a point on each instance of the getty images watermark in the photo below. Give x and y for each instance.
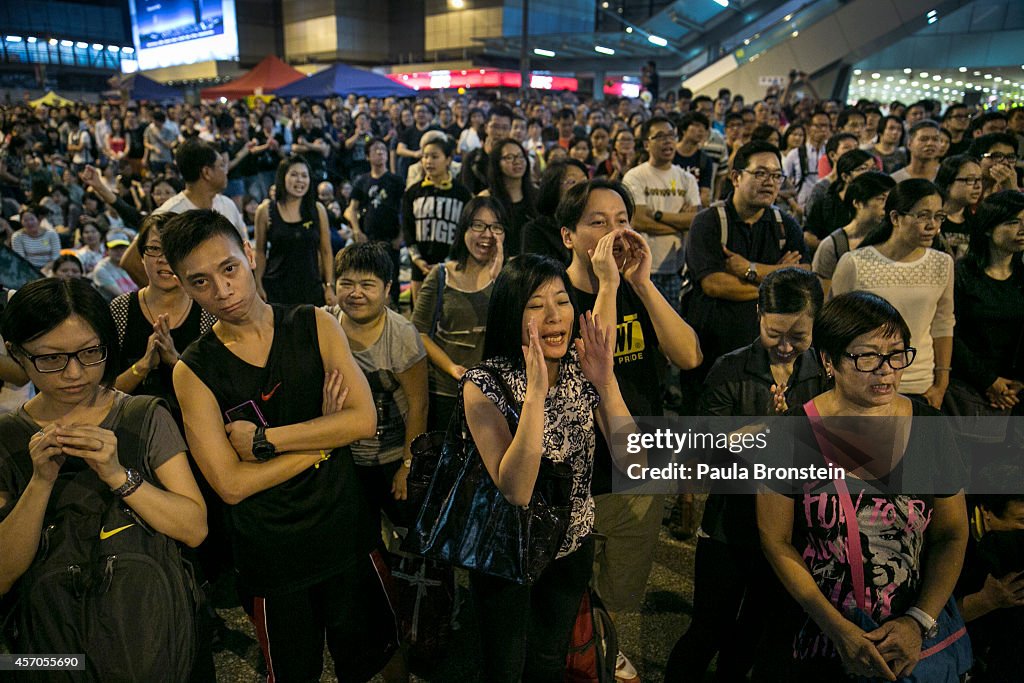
(890, 455)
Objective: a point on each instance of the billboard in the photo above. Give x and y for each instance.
(172, 32)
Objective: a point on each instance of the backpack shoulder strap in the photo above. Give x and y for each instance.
(840, 242)
(723, 221)
(777, 213)
(442, 274)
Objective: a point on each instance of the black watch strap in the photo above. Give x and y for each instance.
(261, 448)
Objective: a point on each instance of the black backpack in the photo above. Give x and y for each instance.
(103, 583)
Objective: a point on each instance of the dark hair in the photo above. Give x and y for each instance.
(983, 143)
(844, 116)
(995, 209)
(832, 145)
(691, 118)
(950, 168)
(550, 192)
(365, 257)
(848, 316)
(883, 123)
(848, 163)
(192, 157)
(565, 113)
(576, 139)
(459, 252)
(902, 199)
(307, 203)
(764, 132)
(159, 116)
(790, 290)
(516, 283)
(496, 182)
(789, 131)
(167, 180)
(67, 258)
(701, 98)
(154, 221)
(42, 305)
(186, 231)
(866, 187)
(502, 111)
(441, 141)
(921, 125)
(732, 116)
(952, 108)
(743, 154)
(574, 203)
(979, 121)
(645, 130)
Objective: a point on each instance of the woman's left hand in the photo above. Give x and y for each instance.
(899, 643)
(398, 486)
(164, 342)
(96, 446)
(934, 396)
(595, 348)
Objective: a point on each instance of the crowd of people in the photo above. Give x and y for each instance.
(307, 286)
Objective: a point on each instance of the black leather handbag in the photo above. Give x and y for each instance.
(464, 520)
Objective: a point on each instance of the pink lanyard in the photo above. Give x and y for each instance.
(854, 554)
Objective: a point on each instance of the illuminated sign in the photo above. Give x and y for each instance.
(481, 78)
(172, 32)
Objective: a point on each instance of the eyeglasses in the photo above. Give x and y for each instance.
(480, 226)
(871, 362)
(761, 175)
(661, 137)
(958, 116)
(925, 217)
(999, 157)
(56, 362)
(153, 250)
(512, 158)
(973, 180)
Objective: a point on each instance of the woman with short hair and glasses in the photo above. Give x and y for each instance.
(451, 309)
(871, 565)
(960, 179)
(895, 261)
(68, 448)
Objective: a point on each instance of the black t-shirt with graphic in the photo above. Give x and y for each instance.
(699, 165)
(380, 201)
(430, 215)
(638, 364)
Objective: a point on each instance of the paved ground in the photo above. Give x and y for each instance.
(646, 637)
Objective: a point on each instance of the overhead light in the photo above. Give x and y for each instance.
(458, 4)
(66, 43)
(796, 33)
(959, 82)
(889, 79)
(860, 82)
(604, 5)
(542, 52)
(113, 48)
(128, 50)
(629, 29)
(13, 39)
(723, 3)
(856, 72)
(876, 75)
(746, 41)
(932, 13)
(932, 20)
(906, 71)
(604, 50)
(657, 40)
(962, 69)
(936, 77)
(53, 41)
(903, 81)
(923, 74)
(81, 45)
(999, 79)
(949, 80)
(988, 76)
(787, 17)
(31, 39)
(97, 46)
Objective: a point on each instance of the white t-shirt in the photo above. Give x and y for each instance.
(179, 203)
(670, 190)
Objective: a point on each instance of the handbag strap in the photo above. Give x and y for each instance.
(854, 552)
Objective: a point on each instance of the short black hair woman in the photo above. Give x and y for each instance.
(911, 545)
(70, 449)
(564, 389)
(779, 368)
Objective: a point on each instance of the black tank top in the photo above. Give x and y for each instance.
(293, 272)
(317, 523)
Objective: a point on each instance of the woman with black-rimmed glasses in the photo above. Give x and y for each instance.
(960, 178)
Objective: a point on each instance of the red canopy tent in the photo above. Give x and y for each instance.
(265, 77)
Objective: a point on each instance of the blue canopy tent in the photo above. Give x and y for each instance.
(342, 79)
(143, 88)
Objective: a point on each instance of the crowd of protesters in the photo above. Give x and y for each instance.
(250, 265)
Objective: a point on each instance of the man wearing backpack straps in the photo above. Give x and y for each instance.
(732, 248)
(274, 445)
(801, 164)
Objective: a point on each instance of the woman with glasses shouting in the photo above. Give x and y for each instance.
(872, 549)
(155, 323)
(90, 481)
(895, 262)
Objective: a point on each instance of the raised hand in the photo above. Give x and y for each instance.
(636, 267)
(536, 367)
(602, 259)
(498, 260)
(595, 348)
(164, 341)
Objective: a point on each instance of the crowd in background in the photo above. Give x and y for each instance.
(690, 224)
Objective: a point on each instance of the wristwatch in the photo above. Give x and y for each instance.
(131, 484)
(658, 215)
(407, 464)
(262, 449)
(751, 274)
(929, 626)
